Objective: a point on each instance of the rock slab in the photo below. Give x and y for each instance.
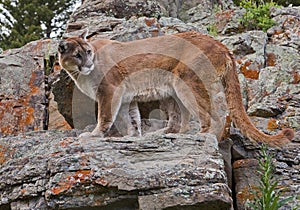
(56, 170)
(23, 87)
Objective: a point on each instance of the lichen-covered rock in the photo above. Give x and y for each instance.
(286, 30)
(269, 77)
(56, 119)
(286, 173)
(26, 76)
(51, 169)
(22, 91)
(249, 51)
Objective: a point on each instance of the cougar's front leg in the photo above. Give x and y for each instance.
(170, 106)
(108, 108)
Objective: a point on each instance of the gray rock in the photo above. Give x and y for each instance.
(23, 87)
(247, 47)
(54, 169)
(286, 30)
(269, 76)
(247, 179)
(286, 172)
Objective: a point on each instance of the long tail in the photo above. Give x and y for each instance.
(240, 117)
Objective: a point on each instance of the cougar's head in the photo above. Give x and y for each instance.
(76, 55)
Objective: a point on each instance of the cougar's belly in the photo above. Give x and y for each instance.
(148, 85)
(147, 94)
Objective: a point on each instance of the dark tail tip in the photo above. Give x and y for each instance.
(288, 133)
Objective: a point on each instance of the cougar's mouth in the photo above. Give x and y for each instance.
(86, 70)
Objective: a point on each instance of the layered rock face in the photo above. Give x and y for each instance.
(56, 170)
(23, 99)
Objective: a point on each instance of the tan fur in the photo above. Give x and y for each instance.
(190, 68)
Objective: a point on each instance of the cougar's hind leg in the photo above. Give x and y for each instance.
(185, 118)
(195, 102)
(130, 120)
(170, 107)
(135, 128)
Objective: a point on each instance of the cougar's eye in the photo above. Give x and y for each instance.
(88, 52)
(77, 55)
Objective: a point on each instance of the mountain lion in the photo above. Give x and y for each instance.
(192, 69)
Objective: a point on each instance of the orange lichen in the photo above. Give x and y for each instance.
(227, 14)
(245, 163)
(55, 154)
(29, 117)
(278, 32)
(57, 67)
(22, 116)
(17, 114)
(60, 189)
(65, 142)
(222, 18)
(289, 22)
(226, 132)
(150, 21)
(38, 46)
(80, 176)
(34, 89)
(249, 73)
(296, 78)
(245, 194)
(271, 59)
(272, 125)
(102, 182)
(239, 61)
(5, 154)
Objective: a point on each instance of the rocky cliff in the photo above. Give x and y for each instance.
(56, 170)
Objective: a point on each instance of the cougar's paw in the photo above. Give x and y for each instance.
(184, 129)
(90, 134)
(85, 134)
(157, 132)
(132, 132)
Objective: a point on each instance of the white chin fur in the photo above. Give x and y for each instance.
(86, 70)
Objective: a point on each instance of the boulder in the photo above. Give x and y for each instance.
(55, 170)
(56, 119)
(286, 173)
(286, 30)
(23, 98)
(26, 78)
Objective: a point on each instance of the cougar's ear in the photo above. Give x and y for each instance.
(62, 46)
(84, 34)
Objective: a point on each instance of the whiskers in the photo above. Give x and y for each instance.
(72, 74)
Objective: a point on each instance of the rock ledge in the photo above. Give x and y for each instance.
(56, 170)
